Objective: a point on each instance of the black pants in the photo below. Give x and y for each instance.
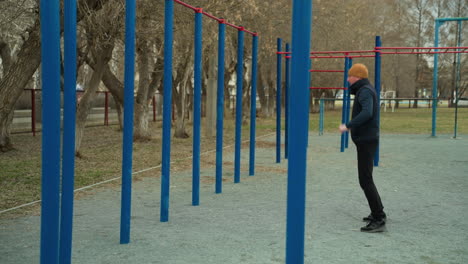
(365, 154)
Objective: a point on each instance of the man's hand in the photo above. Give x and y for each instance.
(343, 128)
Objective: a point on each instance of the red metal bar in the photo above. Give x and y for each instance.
(106, 109)
(361, 56)
(342, 52)
(154, 108)
(328, 88)
(424, 52)
(325, 71)
(334, 52)
(211, 16)
(33, 112)
(338, 57)
(421, 48)
(199, 10)
(232, 25)
(327, 57)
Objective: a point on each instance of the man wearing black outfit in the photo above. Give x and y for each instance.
(364, 129)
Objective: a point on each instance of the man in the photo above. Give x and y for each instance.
(364, 129)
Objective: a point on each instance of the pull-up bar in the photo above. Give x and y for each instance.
(342, 57)
(332, 52)
(220, 20)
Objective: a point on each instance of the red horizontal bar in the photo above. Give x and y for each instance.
(361, 56)
(212, 17)
(421, 47)
(232, 25)
(325, 71)
(343, 52)
(424, 52)
(328, 88)
(220, 20)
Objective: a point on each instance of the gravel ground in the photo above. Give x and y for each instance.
(423, 184)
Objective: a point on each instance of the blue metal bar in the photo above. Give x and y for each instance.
(343, 105)
(239, 80)
(457, 81)
(299, 124)
(69, 121)
(197, 107)
(286, 103)
(253, 105)
(378, 67)
(220, 108)
(129, 76)
(348, 100)
(278, 102)
(451, 19)
(435, 79)
(50, 53)
(321, 117)
(167, 102)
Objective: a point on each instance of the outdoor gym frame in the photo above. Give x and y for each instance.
(57, 207)
(378, 50)
(348, 61)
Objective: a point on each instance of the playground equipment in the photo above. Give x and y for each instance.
(56, 240)
(378, 51)
(348, 56)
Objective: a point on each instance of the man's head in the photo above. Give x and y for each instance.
(357, 72)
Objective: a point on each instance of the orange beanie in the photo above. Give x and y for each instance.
(359, 70)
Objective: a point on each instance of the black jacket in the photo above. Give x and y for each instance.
(364, 124)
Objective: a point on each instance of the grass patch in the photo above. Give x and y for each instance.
(20, 170)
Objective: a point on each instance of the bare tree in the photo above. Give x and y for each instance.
(26, 61)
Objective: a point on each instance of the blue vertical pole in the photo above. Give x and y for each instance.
(220, 108)
(343, 106)
(50, 211)
(253, 105)
(239, 79)
(286, 104)
(378, 66)
(69, 121)
(50, 50)
(299, 124)
(435, 79)
(129, 74)
(321, 117)
(457, 81)
(348, 100)
(197, 107)
(167, 101)
(278, 103)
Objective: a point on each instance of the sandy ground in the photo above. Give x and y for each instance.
(423, 183)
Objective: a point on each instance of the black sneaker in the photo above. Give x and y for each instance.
(374, 227)
(371, 218)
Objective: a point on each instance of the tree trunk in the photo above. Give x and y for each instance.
(14, 81)
(84, 106)
(261, 93)
(211, 91)
(21, 71)
(118, 108)
(183, 77)
(141, 132)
